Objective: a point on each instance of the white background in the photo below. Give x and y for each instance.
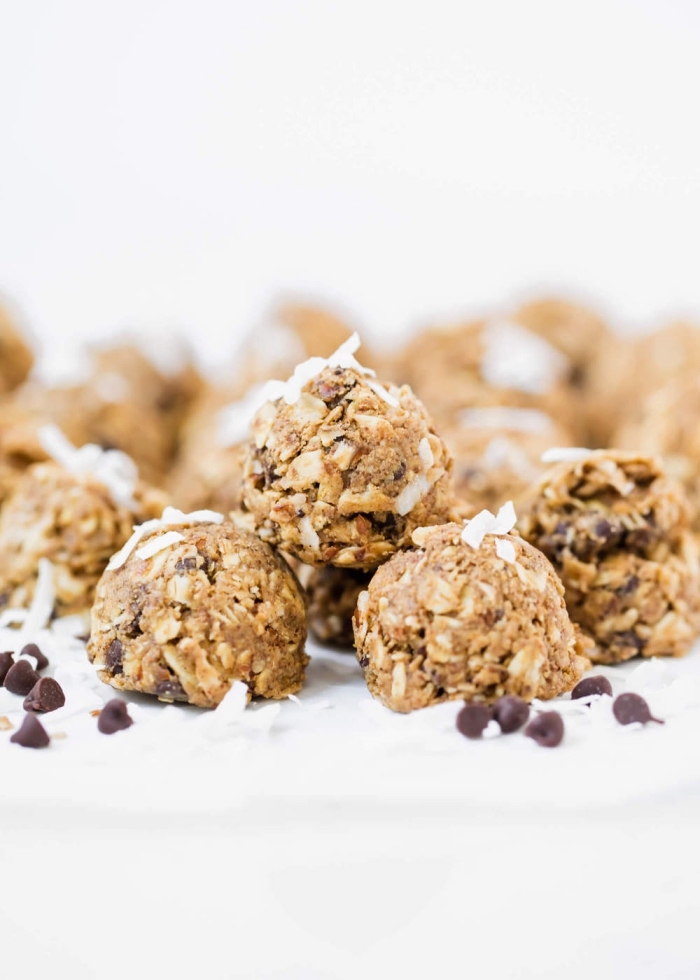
(179, 163)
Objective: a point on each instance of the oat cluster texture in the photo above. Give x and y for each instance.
(303, 489)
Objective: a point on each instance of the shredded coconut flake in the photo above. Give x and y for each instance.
(159, 544)
(565, 454)
(40, 611)
(426, 453)
(234, 420)
(485, 523)
(380, 390)
(172, 517)
(528, 420)
(308, 535)
(304, 372)
(516, 358)
(111, 467)
(505, 550)
(411, 494)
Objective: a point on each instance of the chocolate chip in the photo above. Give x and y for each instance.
(6, 661)
(170, 689)
(592, 685)
(185, 564)
(114, 717)
(511, 713)
(46, 695)
(31, 734)
(113, 657)
(21, 678)
(473, 719)
(364, 662)
(32, 650)
(629, 708)
(546, 729)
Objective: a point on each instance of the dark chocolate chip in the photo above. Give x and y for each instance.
(6, 661)
(113, 657)
(629, 708)
(170, 689)
(114, 717)
(473, 719)
(546, 729)
(185, 564)
(400, 472)
(46, 695)
(21, 678)
(511, 713)
(592, 685)
(364, 662)
(32, 650)
(31, 734)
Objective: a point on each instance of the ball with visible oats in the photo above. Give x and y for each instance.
(497, 452)
(332, 595)
(193, 609)
(487, 363)
(666, 425)
(74, 521)
(16, 358)
(617, 531)
(447, 620)
(341, 470)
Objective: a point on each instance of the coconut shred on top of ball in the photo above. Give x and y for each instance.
(342, 469)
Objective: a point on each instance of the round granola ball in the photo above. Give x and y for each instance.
(216, 606)
(570, 327)
(16, 358)
(498, 452)
(332, 595)
(485, 363)
(346, 472)
(666, 425)
(616, 529)
(447, 621)
(74, 522)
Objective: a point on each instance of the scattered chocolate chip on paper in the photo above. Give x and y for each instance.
(46, 695)
(511, 713)
(630, 708)
(592, 685)
(473, 719)
(114, 717)
(32, 650)
(546, 729)
(21, 678)
(31, 734)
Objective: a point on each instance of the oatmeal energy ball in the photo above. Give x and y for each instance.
(616, 529)
(341, 470)
(497, 452)
(189, 608)
(16, 359)
(332, 595)
(76, 514)
(472, 612)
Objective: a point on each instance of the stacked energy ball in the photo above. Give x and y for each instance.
(481, 513)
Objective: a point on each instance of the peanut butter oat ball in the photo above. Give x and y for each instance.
(570, 327)
(16, 358)
(616, 529)
(72, 520)
(666, 425)
(341, 471)
(186, 621)
(486, 363)
(447, 620)
(332, 595)
(497, 452)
